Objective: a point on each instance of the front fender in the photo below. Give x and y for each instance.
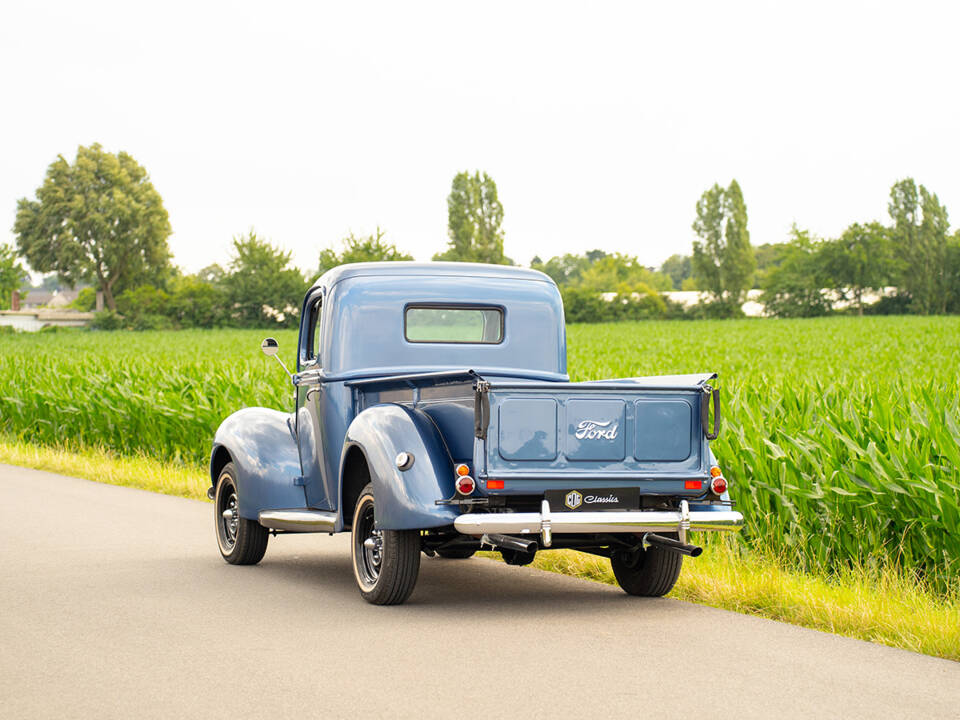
(406, 500)
(263, 447)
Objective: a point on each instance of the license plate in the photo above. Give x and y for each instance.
(594, 499)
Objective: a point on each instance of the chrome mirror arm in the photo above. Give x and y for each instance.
(270, 348)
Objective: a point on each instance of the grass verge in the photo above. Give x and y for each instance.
(107, 467)
(885, 607)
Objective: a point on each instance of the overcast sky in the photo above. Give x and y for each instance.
(601, 123)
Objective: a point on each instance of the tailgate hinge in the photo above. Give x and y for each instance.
(481, 409)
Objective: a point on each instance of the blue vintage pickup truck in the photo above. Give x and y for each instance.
(434, 415)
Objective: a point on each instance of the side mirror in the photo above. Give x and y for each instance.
(270, 347)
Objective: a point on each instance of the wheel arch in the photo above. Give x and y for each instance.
(406, 499)
(263, 448)
(219, 459)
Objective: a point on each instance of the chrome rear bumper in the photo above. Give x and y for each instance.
(612, 521)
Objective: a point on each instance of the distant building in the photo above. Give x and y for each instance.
(45, 299)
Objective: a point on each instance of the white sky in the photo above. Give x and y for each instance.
(601, 123)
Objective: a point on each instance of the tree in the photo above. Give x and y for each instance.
(474, 219)
(723, 259)
(12, 274)
(99, 220)
(622, 273)
(919, 234)
(262, 288)
(794, 285)
(567, 269)
(953, 273)
(371, 248)
(858, 261)
(679, 268)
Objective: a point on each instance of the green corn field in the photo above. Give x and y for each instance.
(841, 436)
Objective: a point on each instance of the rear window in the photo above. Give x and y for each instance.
(453, 324)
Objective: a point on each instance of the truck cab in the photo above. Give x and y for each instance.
(434, 415)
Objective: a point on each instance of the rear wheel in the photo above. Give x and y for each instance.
(648, 573)
(241, 541)
(385, 562)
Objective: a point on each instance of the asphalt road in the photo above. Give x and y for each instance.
(115, 603)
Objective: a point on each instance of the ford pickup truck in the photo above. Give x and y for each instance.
(434, 415)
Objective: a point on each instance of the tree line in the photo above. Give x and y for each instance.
(99, 223)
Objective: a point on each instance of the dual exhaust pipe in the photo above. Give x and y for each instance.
(671, 545)
(509, 542)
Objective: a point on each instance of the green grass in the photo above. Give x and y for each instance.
(888, 607)
(841, 435)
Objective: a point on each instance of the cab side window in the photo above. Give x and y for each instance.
(313, 343)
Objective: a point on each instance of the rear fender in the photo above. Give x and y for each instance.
(263, 448)
(406, 499)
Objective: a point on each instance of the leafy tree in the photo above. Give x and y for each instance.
(919, 234)
(567, 269)
(195, 302)
(12, 274)
(794, 285)
(474, 220)
(723, 259)
(953, 273)
(99, 220)
(145, 308)
(622, 273)
(262, 288)
(86, 300)
(371, 248)
(858, 261)
(768, 257)
(212, 274)
(679, 268)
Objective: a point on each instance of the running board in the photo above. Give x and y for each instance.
(299, 520)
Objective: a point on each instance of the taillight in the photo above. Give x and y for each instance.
(494, 484)
(465, 484)
(462, 470)
(718, 485)
(715, 471)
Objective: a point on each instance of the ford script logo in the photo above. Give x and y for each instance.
(595, 430)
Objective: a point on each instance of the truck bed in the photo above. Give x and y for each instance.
(535, 436)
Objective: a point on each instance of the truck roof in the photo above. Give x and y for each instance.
(364, 327)
(436, 269)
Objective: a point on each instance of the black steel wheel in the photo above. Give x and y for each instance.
(241, 541)
(385, 562)
(648, 573)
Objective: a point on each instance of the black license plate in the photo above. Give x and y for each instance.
(591, 500)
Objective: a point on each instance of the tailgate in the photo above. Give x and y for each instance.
(650, 429)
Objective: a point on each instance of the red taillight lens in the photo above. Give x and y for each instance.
(494, 484)
(465, 485)
(692, 484)
(718, 485)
